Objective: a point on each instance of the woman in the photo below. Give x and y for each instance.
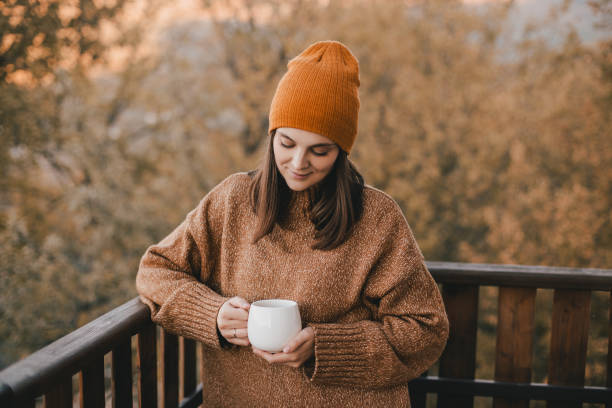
(304, 227)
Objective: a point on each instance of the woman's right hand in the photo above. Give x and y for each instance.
(232, 321)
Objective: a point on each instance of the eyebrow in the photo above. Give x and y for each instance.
(314, 145)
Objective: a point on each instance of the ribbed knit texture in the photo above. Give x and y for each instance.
(320, 93)
(376, 312)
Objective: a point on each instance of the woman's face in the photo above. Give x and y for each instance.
(303, 158)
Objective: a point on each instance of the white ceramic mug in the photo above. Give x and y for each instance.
(272, 323)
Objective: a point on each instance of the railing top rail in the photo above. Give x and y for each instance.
(36, 373)
(546, 277)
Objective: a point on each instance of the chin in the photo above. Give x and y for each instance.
(298, 186)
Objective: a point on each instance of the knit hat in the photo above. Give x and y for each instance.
(320, 94)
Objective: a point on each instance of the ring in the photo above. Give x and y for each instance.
(234, 332)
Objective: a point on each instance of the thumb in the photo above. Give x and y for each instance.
(295, 342)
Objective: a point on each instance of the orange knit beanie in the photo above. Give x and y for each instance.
(320, 94)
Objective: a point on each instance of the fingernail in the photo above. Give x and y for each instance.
(286, 350)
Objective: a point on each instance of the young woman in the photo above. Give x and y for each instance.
(304, 227)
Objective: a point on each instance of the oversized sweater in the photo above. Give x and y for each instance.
(377, 314)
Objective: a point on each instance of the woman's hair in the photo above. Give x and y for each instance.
(336, 205)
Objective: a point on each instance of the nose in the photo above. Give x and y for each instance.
(299, 160)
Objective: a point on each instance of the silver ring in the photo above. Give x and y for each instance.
(234, 332)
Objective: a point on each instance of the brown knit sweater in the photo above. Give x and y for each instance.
(377, 314)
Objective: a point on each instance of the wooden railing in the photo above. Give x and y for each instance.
(512, 387)
(49, 371)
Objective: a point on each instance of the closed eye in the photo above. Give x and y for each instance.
(287, 143)
(316, 153)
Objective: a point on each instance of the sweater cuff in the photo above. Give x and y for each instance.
(195, 315)
(340, 354)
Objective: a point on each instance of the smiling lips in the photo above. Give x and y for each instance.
(298, 175)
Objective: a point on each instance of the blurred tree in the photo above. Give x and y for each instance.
(48, 283)
(38, 37)
(495, 153)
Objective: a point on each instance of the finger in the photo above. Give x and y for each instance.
(239, 302)
(239, 341)
(233, 324)
(234, 332)
(303, 353)
(242, 332)
(230, 319)
(240, 338)
(235, 313)
(297, 341)
(273, 358)
(293, 345)
(269, 357)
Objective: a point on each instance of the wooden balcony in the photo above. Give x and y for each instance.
(126, 335)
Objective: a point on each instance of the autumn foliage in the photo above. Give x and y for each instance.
(498, 151)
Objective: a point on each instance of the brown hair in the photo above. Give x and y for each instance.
(335, 207)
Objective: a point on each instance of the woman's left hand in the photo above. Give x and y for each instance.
(295, 353)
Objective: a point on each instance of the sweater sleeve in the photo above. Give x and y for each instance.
(409, 328)
(171, 274)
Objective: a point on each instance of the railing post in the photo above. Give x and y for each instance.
(418, 398)
(513, 354)
(188, 364)
(92, 384)
(61, 395)
(147, 367)
(609, 373)
(459, 357)
(568, 340)
(170, 364)
(121, 382)
(6, 395)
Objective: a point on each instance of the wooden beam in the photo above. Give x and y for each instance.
(61, 395)
(170, 370)
(459, 357)
(121, 381)
(514, 347)
(92, 385)
(147, 367)
(568, 339)
(188, 365)
(609, 373)
(545, 277)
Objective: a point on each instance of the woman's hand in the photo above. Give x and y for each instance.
(296, 352)
(232, 321)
